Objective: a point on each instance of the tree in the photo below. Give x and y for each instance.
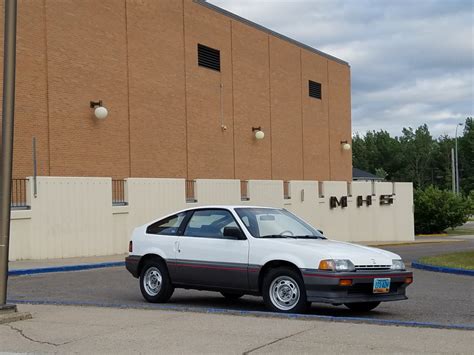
(415, 156)
(441, 163)
(417, 150)
(466, 157)
(377, 150)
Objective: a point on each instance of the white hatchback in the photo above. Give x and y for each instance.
(239, 250)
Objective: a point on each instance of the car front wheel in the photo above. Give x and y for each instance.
(155, 283)
(362, 306)
(284, 291)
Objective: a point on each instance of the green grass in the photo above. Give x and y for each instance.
(460, 231)
(461, 260)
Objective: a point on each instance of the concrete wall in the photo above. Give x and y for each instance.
(75, 217)
(165, 112)
(69, 217)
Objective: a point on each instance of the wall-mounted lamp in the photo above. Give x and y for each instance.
(259, 134)
(100, 111)
(345, 145)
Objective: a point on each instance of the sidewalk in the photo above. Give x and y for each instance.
(51, 263)
(120, 258)
(71, 329)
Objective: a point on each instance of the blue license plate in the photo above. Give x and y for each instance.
(381, 285)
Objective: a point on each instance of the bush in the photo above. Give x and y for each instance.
(437, 210)
(470, 200)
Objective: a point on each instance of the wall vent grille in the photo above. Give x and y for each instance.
(315, 89)
(209, 57)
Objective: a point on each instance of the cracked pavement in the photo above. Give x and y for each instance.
(19, 331)
(67, 329)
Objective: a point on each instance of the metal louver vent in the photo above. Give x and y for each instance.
(315, 89)
(209, 57)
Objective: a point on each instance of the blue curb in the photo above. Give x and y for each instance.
(65, 268)
(449, 270)
(178, 308)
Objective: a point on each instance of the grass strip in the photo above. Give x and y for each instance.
(460, 231)
(460, 260)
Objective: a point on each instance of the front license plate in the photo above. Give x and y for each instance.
(381, 285)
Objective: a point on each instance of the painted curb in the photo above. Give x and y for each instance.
(235, 312)
(448, 270)
(64, 268)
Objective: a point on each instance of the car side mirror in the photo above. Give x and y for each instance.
(233, 233)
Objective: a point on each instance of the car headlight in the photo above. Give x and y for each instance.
(336, 265)
(397, 264)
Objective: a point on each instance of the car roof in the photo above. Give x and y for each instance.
(231, 207)
(228, 207)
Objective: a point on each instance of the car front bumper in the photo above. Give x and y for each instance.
(324, 286)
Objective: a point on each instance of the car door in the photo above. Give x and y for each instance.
(207, 258)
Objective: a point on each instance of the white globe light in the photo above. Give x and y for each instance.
(259, 135)
(346, 146)
(101, 112)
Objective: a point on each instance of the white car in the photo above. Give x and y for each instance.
(239, 250)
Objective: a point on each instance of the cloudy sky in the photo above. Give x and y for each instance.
(411, 60)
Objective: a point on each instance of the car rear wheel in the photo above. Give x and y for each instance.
(155, 283)
(284, 291)
(362, 306)
(232, 296)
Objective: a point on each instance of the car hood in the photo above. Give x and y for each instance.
(325, 248)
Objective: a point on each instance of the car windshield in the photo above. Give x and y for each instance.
(276, 223)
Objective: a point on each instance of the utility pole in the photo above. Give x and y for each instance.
(453, 170)
(9, 58)
(457, 161)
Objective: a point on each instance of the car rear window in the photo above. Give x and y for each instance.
(167, 226)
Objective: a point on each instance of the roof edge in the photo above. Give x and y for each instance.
(267, 30)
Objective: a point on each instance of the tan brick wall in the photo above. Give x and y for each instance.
(339, 120)
(165, 112)
(286, 112)
(250, 62)
(87, 60)
(210, 149)
(157, 102)
(315, 118)
(31, 118)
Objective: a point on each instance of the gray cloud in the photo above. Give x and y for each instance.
(412, 62)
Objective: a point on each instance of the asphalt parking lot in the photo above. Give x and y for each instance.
(439, 298)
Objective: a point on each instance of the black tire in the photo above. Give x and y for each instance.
(362, 306)
(288, 280)
(149, 282)
(232, 296)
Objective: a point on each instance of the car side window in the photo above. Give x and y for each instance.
(209, 224)
(167, 226)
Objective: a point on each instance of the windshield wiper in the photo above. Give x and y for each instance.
(309, 236)
(277, 236)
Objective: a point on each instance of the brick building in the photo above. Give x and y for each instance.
(167, 107)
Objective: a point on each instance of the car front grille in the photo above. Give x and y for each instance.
(372, 267)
